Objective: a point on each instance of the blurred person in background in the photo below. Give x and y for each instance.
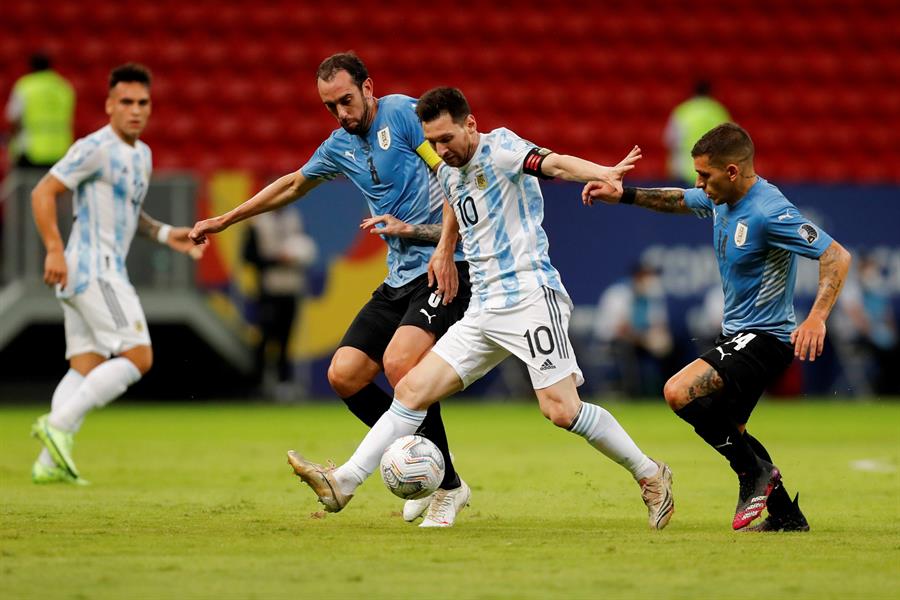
(632, 323)
(40, 110)
(277, 247)
(688, 121)
(107, 342)
(757, 235)
(381, 149)
(868, 306)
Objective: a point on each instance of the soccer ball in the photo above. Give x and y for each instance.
(412, 467)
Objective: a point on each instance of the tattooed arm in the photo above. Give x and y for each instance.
(809, 337)
(667, 200)
(392, 226)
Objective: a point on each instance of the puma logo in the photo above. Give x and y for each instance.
(429, 317)
(727, 443)
(722, 352)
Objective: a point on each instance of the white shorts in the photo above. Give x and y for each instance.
(535, 331)
(106, 318)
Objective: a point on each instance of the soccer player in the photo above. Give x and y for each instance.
(380, 148)
(107, 343)
(757, 235)
(519, 305)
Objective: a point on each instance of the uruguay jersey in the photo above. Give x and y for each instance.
(500, 209)
(756, 243)
(109, 179)
(385, 167)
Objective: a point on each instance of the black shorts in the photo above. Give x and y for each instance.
(413, 304)
(748, 362)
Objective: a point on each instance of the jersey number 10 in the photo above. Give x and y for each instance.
(467, 211)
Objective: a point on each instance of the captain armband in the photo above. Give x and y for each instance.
(427, 153)
(533, 161)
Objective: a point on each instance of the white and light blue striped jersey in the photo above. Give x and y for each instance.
(757, 242)
(109, 179)
(384, 165)
(500, 209)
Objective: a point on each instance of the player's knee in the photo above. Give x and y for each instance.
(342, 380)
(412, 392)
(558, 412)
(396, 367)
(675, 393)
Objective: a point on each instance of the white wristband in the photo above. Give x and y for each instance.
(162, 236)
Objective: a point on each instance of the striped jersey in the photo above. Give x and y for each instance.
(109, 179)
(384, 165)
(500, 209)
(757, 242)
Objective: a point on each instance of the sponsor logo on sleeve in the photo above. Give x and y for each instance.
(808, 232)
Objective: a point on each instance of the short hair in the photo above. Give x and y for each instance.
(39, 62)
(443, 100)
(343, 61)
(130, 73)
(726, 143)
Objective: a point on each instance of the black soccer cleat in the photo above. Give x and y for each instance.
(793, 521)
(754, 493)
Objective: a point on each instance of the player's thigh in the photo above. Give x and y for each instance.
(407, 347)
(467, 350)
(428, 382)
(113, 312)
(426, 311)
(82, 347)
(698, 379)
(537, 333)
(374, 326)
(560, 402)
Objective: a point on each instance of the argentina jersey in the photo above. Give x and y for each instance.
(109, 179)
(756, 243)
(500, 209)
(385, 167)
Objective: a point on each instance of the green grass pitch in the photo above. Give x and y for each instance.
(197, 501)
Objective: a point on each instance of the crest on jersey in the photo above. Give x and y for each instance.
(384, 138)
(139, 327)
(740, 234)
(481, 180)
(808, 233)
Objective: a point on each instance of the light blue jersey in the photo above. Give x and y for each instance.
(500, 209)
(109, 179)
(394, 179)
(756, 243)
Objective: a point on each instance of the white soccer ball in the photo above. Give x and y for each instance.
(412, 467)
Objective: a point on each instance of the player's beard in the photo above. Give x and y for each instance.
(362, 128)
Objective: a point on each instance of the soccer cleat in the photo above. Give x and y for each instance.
(445, 505)
(754, 493)
(657, 494)
(321, 480)
(58, 442)
(41, 473)
(793, 521)
(413, 509)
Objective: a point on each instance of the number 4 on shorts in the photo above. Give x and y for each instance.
(742, 340)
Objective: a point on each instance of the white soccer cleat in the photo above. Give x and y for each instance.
(657, 494)
(445, 505)
(413, 509)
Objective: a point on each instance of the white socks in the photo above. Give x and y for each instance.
(103, 384)
(604, 433)
(65, 389)
(396, 422)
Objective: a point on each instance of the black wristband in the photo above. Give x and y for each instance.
(628, 195)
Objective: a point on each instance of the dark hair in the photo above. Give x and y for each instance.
(726, 143)
(343, 61)
(702, 87)
(443, 100)
(39, 61)
(130, 73)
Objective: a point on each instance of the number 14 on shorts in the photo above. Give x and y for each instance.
(739, 342)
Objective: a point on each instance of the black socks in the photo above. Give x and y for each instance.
(721, 433)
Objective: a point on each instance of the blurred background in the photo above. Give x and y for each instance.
(815, 82)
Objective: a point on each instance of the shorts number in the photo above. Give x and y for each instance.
(467, 211)
(742, 340)
(434, 300)
(538, 341)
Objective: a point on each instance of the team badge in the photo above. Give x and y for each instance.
(480, 180)
(139, 327)
(808, 233)
(740, 234)
(384, 138)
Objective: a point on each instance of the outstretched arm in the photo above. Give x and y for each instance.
(283, 190)
(175, 238)
(572, 168)
(667, 200)
(809, 337)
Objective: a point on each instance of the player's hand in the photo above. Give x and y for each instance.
(180, 241)
(809, 338)
(203, 228)
(600, 190)
(55, 269)
(442, 271)
(390, 225)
